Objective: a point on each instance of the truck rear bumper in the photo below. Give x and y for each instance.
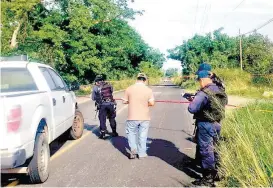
(12, 158)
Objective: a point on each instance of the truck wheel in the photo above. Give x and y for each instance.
(76, 130)
(39, 165)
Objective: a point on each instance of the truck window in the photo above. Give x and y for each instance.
(17, 79)
(48, 78)
(57, 79)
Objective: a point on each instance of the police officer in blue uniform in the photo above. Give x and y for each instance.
(216, 80)
(102, 94)
(208, 107)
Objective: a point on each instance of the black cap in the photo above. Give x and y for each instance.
(99, 78)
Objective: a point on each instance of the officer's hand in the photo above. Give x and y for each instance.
(191, 99)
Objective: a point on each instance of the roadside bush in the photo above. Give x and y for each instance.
(263, 80)
(154, 81)
(177, 80)
(237, 82)
(246, 155)
(117, 85)
(244, 84)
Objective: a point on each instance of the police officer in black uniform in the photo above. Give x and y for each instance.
(102, 94)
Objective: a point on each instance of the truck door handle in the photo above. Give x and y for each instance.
(54, 101)
(63, 99)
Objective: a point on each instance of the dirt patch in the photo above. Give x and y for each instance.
(239, 101)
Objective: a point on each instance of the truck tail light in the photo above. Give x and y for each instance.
(14, 119)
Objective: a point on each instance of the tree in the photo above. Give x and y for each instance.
(222, 51)
(257, 54)
(155, 56)
(171, 72)
(150, 69)
(80, 38)
(14, 16)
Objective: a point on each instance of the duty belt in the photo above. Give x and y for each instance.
(107, 100)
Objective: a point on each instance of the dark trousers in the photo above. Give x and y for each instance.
(207, 138)
(197, 151)
(107, 110)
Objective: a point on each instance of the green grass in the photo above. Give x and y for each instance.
(246, 155)
(117, 85)
(237, 82)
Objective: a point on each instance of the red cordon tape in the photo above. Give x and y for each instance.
(171, 101)
(181, 102)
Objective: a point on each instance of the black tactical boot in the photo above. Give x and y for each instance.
(114, 134)
(102, 135)
(206, 180)
(217, 176)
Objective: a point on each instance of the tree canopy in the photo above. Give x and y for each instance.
(171, 72)
(80, 38)
(222, 51)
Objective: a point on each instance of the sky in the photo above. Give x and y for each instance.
(166, 23)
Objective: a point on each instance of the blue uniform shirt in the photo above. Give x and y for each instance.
(95, 93)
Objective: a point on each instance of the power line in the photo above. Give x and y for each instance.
(254, 30)
(196, 11)
(206, 18)
(203, 17)
(260, 27)
(238, 5)
(233, 11)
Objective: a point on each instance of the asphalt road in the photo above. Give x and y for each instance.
(93, 162)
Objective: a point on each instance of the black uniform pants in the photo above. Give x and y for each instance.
(107, 110)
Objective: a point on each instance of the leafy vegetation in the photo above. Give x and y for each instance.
(246, 154)
(222, 51)
(150, 70)
(237, 82)
(79, 38)
(117, 85)
(171, 72)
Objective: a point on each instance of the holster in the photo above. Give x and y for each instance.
(97, 105)
(194, 137)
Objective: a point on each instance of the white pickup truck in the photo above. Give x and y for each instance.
(36, 107)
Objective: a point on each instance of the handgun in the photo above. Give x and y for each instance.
(97, 106)
(189, 96)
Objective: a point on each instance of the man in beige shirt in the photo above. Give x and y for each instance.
(139, 98)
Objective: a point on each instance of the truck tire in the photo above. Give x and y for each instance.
(76, 130)
(38, 167)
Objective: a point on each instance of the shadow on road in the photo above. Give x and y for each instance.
(55, 146)
(166, 151)
(96, 131)
(163, 149)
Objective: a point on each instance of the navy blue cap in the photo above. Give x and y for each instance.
(204, 66)
(203, 74)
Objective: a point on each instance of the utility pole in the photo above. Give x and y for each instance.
(241, 51)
